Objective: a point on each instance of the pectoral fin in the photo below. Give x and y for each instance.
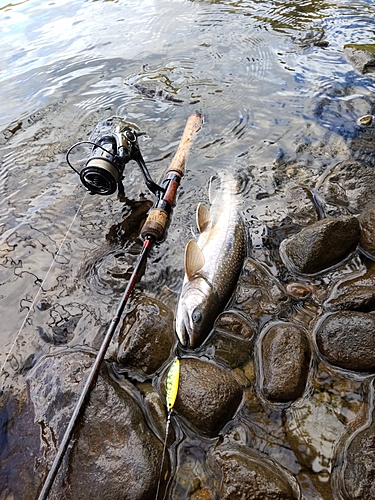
(194, 259)
(203, 217)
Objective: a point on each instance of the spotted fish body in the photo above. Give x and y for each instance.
(212, 264)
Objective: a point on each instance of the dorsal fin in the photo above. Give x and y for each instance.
(203, 217)
(194, 259)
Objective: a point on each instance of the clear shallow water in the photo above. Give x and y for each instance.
(279, 102)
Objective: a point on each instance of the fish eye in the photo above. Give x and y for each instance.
(197, 315)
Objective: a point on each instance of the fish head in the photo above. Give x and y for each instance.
(196, 312)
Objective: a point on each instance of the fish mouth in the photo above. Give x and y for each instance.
(186, 339)
(182, 333)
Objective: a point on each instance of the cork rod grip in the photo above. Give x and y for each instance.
(157, 219)
(192, 126)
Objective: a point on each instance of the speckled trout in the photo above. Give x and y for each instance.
(212, 264)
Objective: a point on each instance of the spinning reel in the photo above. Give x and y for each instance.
(103, 172)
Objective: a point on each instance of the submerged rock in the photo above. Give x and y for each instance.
(347, 338)
(232, 342)
(321, 245)
(367, 237)
(235, 324)
(246, 474)
(146, 337)
(358, 475)
(312, 429)
(113, 445)
(258, 293)
(208, 396)
(356, 294)
(285, 359)
(300, 290)
(349, 184)
(361, 56)
(301, 206)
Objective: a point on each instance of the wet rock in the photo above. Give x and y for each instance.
(155, 410)
(146, 337)
(347, 339)
(356, 293)
(359, 464)
(233, 323)
(367, 236)
(258, 293)
(229, 350)
(203, 494)
(299, 290)
(350, 184)
(320, 245)
(113, 445)
(301, 206)
(285, 359)
(208, 396)
(361, 56)
(247, 474)
(148, 89)
(313, 428)
(366, 121)
(311, 38)
(232, 341)
(62, 332)
(20, 471)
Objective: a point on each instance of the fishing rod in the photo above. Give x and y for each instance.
(102, 173)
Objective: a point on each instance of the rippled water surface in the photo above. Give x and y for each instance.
(279, 102)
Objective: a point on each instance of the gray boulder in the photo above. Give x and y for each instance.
(349, 184)
(321, 245)
(258, 293)
(355, 293)
(246, 474)
(356, 462)
(208, 396)
(146, 337)
(367, 237)
(113, 445)
(285, 359)
(347, 338)
(361, 56)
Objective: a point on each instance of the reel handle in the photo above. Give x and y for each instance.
(157, 219)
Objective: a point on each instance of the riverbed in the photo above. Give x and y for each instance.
(280, 101)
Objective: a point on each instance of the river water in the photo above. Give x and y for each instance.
(274, 88)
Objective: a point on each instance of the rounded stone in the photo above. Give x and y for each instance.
(285, 359)
(208, 396)
(349, 184)
(321, 245)
(354, 293)
(233, 323)
(361, 56)
(258, 293)
(358, 464)
(367, 236)
(347, 338)
(112, 444)
(246, 474)
(301, 206)
(146, 337)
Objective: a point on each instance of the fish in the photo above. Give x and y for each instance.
(212, 264)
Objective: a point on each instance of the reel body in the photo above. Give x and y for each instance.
(103, 172)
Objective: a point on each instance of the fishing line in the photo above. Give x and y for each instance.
(41, 287)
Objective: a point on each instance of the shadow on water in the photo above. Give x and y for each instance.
(281, 105)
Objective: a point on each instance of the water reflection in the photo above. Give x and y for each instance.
(280, 104)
